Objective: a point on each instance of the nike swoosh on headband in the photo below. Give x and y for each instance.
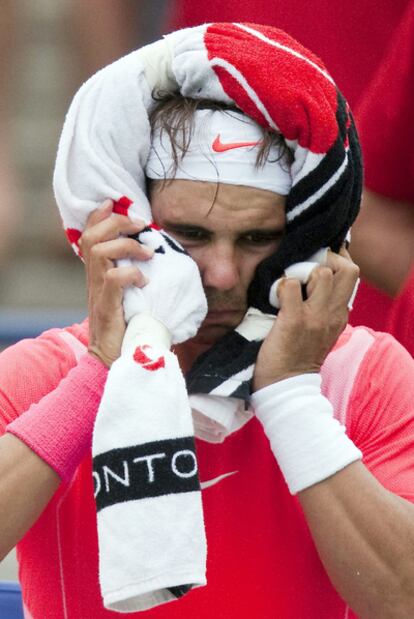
(219, 147)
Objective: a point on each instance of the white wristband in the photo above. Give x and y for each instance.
(144, 329)
(308, 443)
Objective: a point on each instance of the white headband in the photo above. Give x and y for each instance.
(223, 148)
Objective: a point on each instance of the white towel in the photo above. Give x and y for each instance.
(152, 546)
(151, 536)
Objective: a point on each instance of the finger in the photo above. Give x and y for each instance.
(107, 230)
(102, 256)
(290, 296)
(319, 287)
(344, 252)
(102, 212)
(115, 281)
(339, 261)
(346, 274)
(118, 249)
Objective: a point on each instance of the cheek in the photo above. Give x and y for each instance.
(198, 254)
(246, 261)
(251, 261)
(248, 268)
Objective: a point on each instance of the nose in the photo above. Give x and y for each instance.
(220, 269)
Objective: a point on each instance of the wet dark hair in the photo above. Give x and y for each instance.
(174, 114)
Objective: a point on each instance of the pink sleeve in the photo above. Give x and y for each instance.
(59, 427)
(29, 370)
(381, 413)
(48, 400)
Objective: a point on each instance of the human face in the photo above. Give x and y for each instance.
(228, 230)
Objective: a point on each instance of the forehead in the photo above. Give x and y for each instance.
(215, 204)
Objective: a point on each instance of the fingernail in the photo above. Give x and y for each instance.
(137, 221)
(143, 281)
(106, 205)
(148, 250)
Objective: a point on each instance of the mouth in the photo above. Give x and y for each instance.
(218, 315)
(217, 323)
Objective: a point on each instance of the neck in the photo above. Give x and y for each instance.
(187, 353)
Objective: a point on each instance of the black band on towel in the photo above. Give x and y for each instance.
(143, 471)
(228, 356)
(180, 591)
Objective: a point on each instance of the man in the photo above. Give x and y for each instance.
(270, 554)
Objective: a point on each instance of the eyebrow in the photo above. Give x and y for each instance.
(177, 227)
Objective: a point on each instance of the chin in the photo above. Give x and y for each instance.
(207, 336)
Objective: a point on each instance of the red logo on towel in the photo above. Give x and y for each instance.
(219, 147)
(147, 363)
(122, 205)
(73, 237)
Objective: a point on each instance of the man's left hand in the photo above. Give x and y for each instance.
(305, 330)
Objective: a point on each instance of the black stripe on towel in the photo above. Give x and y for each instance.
(229, 356)
(143, 471)
(305, 188)
(180, 590)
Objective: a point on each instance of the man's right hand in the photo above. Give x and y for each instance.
(102, 244)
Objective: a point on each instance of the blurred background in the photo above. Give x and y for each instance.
(49, 47)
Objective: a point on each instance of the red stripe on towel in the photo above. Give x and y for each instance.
(298, 97)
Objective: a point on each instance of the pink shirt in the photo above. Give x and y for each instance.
(261, 558)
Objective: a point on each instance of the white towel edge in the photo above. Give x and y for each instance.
(151, 592)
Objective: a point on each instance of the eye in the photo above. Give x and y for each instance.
(189, 234)
(260, 238)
